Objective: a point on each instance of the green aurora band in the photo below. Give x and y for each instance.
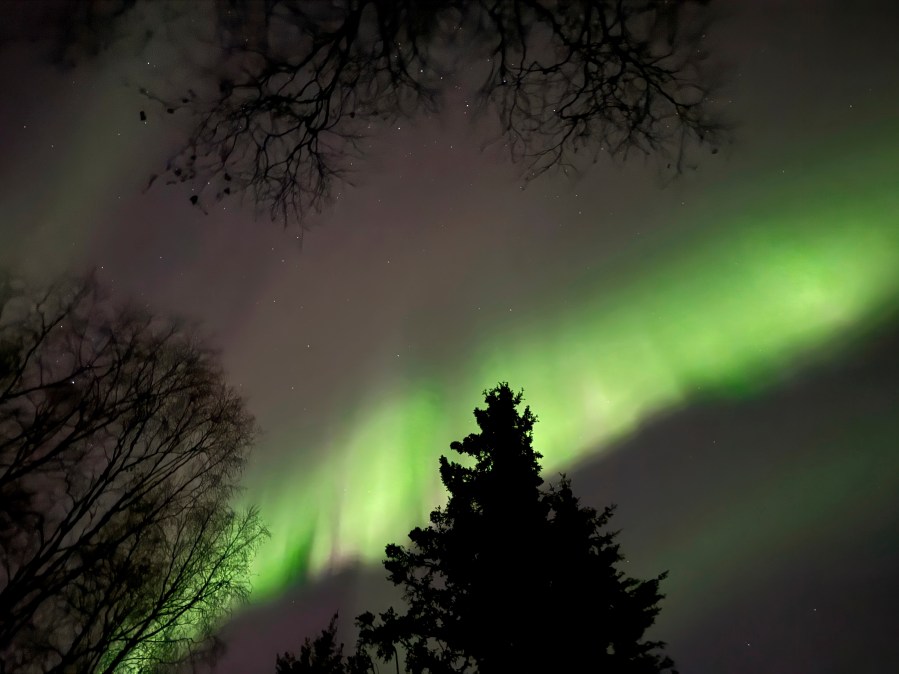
(804, 267)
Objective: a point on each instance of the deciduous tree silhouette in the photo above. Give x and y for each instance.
(293, 86)
(304, 81)
(510, 576)
(120, 450)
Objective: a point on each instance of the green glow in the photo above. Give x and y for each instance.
(803, 268)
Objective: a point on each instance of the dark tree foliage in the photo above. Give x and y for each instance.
(120, 450)
(510, 576)
(291, 87)
(323, 655)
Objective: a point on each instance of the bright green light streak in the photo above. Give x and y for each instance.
(805, 268)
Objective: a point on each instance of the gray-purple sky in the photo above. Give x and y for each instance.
(774, 505)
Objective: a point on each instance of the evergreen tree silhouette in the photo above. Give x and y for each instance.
(322, 655)
(511, 576)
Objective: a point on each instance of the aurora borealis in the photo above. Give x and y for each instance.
(715, 354)
(812, 265)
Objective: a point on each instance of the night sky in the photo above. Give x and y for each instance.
(716, 354)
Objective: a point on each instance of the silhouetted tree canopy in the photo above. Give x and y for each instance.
(120, 451)
(306, 80)
(509, 576)
(323, 655)
(293, 86)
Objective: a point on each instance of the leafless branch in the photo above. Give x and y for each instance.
(281, 113)
(601, 77)
(120, 450)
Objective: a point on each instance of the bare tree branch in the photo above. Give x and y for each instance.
(293, 87)
(610, 77)
(293, 105)
(587, 76)
(120, 450)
